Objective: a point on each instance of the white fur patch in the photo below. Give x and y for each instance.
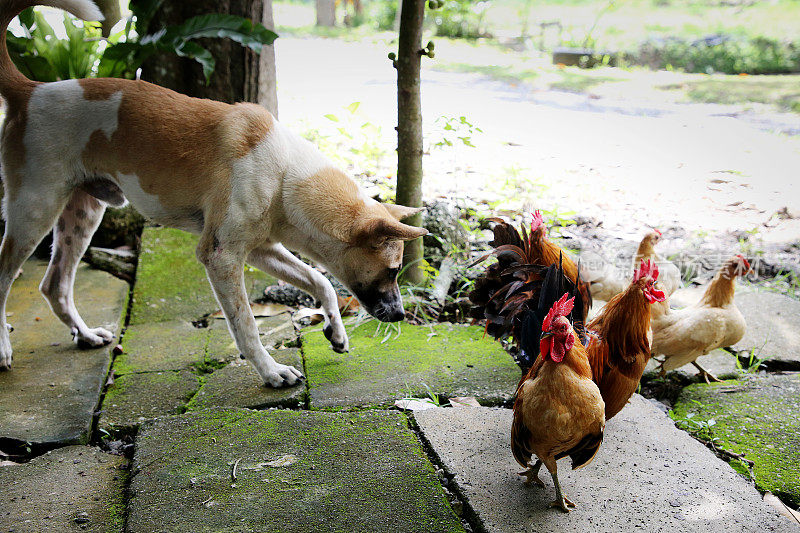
(83, 9)
(60, 123)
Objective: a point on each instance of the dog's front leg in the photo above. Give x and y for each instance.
(225, 270)
(276, 260)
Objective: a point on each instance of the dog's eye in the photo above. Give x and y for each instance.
(392, 272)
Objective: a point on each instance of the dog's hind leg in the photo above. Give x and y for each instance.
(71, 236)
(29, 216)
(225, 269)
(275, 259)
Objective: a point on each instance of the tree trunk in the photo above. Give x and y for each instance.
(267, 75)
(326, 13)
(409, 127)
(236, 76)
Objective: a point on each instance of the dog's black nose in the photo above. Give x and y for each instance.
(396, 315)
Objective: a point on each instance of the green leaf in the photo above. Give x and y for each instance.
(201, 55)
(331, 117)
(353, 107)
(236, 28)
(26, 19)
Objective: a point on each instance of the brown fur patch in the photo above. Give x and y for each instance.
(180, 148)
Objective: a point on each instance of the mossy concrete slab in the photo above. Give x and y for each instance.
(756, 416)
(134, 398)
(50, 394)
(296, 471)
(773, 323)
(451, 360)
(75, 488)
(648, 477)
(172, 285)
(239, 385)
(720, 362)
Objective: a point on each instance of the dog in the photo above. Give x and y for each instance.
(229, 173)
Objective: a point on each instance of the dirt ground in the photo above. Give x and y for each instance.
(628, 162)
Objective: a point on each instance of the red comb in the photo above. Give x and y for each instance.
(656, 230)
(537, 220)
(562, 307)
(647, 268)
(744, 260)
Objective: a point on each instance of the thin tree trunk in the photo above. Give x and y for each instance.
(267, 75)
(326, 13)
(409, 127)
(111, 11)
(236, 75)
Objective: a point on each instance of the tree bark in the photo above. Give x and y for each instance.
(236, 76)
(326, 13)
(267, 75)
(409, 127)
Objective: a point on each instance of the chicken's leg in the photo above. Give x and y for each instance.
(706, 375)
(532, 473)
(561, 501)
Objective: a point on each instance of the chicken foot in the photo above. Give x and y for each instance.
(532, 474)
(561, 501)
(705, 374)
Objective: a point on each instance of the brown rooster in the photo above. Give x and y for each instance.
(619, 344)
(618, 349)
(510, 287)
(558, 411)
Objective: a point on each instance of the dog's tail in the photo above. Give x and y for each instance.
(11, 79)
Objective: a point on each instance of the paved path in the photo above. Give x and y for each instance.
(216, 451)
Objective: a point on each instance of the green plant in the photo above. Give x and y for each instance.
(42, 56)
(462, 19)
(701, 429)
(454, 130)
(752, 364)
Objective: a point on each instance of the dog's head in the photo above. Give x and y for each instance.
(373, 256)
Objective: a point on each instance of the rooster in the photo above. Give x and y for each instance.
(682, 336)
(509, 288)
(558, 411)
(617, 342)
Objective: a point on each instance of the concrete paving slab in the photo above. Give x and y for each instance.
(296, 471)
(134, 398)
(239, 385)
(756, 416)
(648, 476)
(50, 394)
(75, 488)
(773, 323)
(719, 362)
(172, 285)
(452, 360)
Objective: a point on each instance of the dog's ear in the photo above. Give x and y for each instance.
(376, 231)
(400, 211)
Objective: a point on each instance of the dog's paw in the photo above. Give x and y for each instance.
(92, 338)
(282, 376)
(339, 341)
(5, 353)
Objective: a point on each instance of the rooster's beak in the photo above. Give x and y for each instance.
(546, 335)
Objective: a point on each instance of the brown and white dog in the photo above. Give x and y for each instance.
(230, 173)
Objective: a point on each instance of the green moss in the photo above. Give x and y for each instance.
(354, 472)
(448, 359)
(756, 416)
(116, 505)
(171, 284)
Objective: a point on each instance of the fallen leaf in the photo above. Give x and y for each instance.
(415, 404)
(348, 306)
(464, 401)
(283, 460)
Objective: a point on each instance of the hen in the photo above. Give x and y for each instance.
(558, 411)
(606, 281)
(619, 348)
(682, 336)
